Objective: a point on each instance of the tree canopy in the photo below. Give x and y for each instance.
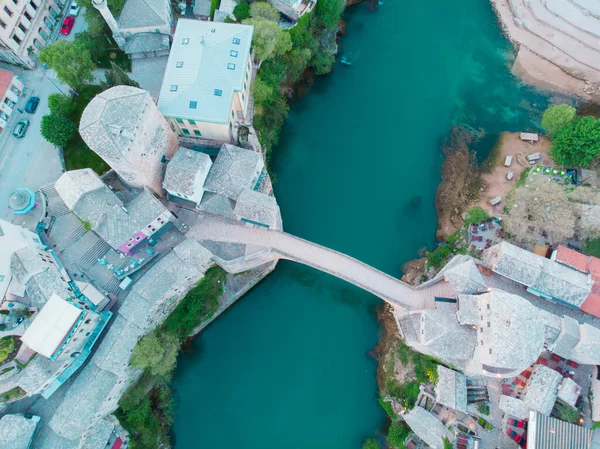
(60, 104)
(116, 76)
(269, 40)
(556, 117)
(242, 10)
(329, 11)
(264, 10)
(370, 443)
(397, 433)
(71, 61)
(57, 129)
(577, 143)
(156, 353)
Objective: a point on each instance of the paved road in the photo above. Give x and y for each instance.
(287, 246)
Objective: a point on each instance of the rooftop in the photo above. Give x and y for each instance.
(16, 431)
(569, 391)
(513, 407)
(186, 170)
(466, 278)
(451, 389)
(51, 326)
(234, 170)
(542, 390)
(5, 79)
(207, 64)
(427, 427)
(146, 42)
(257, 207)
(545, 432)
(573, 259)
(144, 13)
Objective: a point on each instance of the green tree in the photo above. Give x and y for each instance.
(557, 117)
(71, 62)
(567, 413)
(577, 143)
(157, 354)
(329, 12)
(116, 76)
(94, 42)
(269, 40)
(57, 129)
(447, 444)
(397, 433)
(242, 10)
(264, 10)
(262, 92)
(370, 443)
(60, 104)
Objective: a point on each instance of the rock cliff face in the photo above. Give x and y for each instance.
(564, 33)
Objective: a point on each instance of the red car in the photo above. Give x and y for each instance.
(67, 25)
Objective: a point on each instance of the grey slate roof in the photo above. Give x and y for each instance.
(97, 436)
(144, 13)
(427, 427)
(225, 250)
(217, 204)
(513, 407)
(569, 391)
(183, 170)
(466, 278)
(545, 432)
(115, 349)
(587, 350)
(257, 207)
(81, 401)
(468, 310)
(568, 337)
(451, 389)
(118, 226)
(234, 170)
(146, 42)
(16, 431)
(206, 56)
(542, 390)
(87, 196)
(539, 273)
(109, 121)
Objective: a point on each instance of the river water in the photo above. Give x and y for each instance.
(287, 367)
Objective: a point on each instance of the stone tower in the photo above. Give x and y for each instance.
(102, 6)
(125, 128)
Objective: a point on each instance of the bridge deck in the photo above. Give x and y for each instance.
(335, 263)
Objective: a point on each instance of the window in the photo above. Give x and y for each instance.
(218, 92)
(16, 2)
(230, 126)
(214, 30)
(2, 24)
(178, 120)
(193, 105)
(197, 133)
(27, 16)
(185, 41)
(235, 41)
(34, 6)
(22, 28)
(243, 98)
(231, 66)
(173, 87)
(232, 114)
(245, 87)
(185, 131)
(246, 76)
(233, 53)
(179, 64)
(8, 11)
(16, 39)
(191, 122)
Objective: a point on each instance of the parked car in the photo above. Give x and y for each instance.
(67, 25)
(32, 105)
(21, 128)
(74, 9)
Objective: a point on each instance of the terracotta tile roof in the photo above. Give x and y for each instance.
(595, 268)
(591, 304)
(5, 79)
(573, 259)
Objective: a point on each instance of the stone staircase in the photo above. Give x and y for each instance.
(112, 285)
(561, 31)
(56, 205)
(92, 255)
(73, 237)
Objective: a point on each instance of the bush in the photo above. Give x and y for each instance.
(476, 215)
(264, 10)
(387, 406)
(370, 443)
(60, 104)
(242, 10)
(448, 444)
(577, 143)
(557, 117)
(567, 413)
(57, 129)
(397, 433)
(484, 409)
(439, 256)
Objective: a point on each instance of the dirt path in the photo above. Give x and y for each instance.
(496, 182)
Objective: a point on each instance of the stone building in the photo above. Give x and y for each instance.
(125, 128)
(186, 174)
(206, 87)
(11, 89)
(294, 9)
(142, 29)
(25, 27)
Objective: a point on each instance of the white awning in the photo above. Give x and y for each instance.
(51, 326)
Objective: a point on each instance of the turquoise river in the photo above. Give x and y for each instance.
(288, 366)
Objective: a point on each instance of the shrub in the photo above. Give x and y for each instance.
(476, 215)
(264, 10)
(370, 443)
(387, 406)
(397, 433)
(438, 256)
(242, 10)
(484, 409)
(57, 129)
(556, 117)
(60, 104)
(448, 444)
(577, 143)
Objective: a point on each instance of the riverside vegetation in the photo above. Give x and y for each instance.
(146, 408)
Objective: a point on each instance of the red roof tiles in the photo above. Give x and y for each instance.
(573, 259)
(5, 79)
